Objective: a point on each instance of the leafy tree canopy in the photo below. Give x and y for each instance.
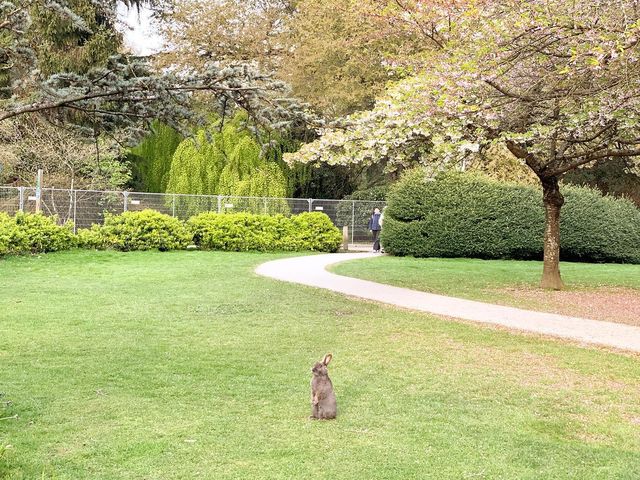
(336, 54)
(200, 31)
(555, 82)
(120, 92)
(225, 159)
(151, 158)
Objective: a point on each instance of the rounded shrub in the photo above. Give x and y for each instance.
(314, 231)
(11, 239)
(143, 230)
(468, 215)
(236, 231)
(34, 233)
(42, 234)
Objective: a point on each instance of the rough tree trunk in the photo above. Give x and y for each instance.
(553, 201)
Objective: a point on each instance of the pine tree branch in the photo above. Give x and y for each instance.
(69, 102)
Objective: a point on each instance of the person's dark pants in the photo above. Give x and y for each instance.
(376, 239)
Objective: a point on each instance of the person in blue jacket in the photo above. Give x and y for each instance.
(375, 225)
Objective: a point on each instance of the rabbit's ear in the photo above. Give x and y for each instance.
(327, 358)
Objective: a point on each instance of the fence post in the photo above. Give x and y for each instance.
(345, 238)
(353, 219)
(219, 203)
(126, 200)
(173, 205)
(310, 200)
(38, 190)
(266, 209)
(74, 199)
(21, 198)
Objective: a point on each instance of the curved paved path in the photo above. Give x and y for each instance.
(311, 271)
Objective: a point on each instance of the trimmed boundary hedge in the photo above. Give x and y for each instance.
(312, 231)
(144, 230)
(468, 215)
(150, 230)
(27, 233)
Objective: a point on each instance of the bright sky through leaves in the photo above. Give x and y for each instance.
(140, 33)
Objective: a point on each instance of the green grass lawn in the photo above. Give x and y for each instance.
(475, 279)
(187, 365)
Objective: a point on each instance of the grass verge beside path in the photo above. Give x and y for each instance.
(601, 291)
(187, 365)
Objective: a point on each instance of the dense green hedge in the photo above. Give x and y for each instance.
(149, 230)
(30, 233)
(144, 230)
(464, 215)
(245, 231)
(599, 228)
(315, 231)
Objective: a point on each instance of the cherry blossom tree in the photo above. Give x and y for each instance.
(556, 82)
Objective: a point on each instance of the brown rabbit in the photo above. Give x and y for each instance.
(323, 400)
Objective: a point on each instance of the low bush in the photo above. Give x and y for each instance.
(237, 231)
(245, 231)
(8, 231)
(34, 233)
(314, 231)
(43, 234)
(144, 230)
(464, 215)
(8, 234)
(149, 229)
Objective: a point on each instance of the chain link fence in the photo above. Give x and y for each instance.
(86, 207)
